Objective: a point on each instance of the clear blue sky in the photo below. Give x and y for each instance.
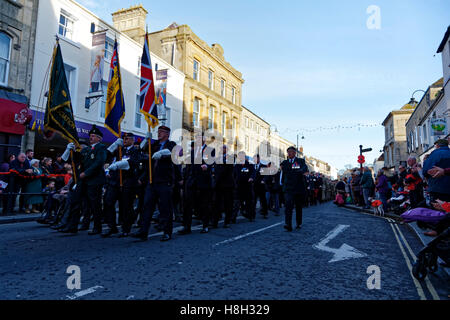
(311, 64)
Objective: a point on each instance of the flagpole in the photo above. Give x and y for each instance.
(150, 156)
(74, 172)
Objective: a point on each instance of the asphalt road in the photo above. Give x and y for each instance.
(251, 260)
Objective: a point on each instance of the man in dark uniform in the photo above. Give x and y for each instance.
(198, 185)
(259, 187)
(244, 175)
(224, 186)
(125, 194)
(293, 182)
(90, 182)
(159, 191)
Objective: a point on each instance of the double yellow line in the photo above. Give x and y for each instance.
(397, 232)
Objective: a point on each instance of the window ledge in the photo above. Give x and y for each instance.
(73, 43)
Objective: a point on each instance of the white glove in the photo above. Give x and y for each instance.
(144, 142)
(161, 154)
(119, 165)
(65, 156)
(115, 145)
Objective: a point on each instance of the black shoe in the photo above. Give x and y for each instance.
(94, 232)
(184, 231)
(265, 216)
(226, 226)
(298, 226)
(251, 219)
(214, 226)
(84, 228)
(165, 237)
(204, 230)
(233, 221)
(58, 226)
(288, 228)
(109, 233)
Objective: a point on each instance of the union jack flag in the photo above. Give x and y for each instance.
(148, 104)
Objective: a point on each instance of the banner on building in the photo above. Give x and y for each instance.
(439, 127)
(161, 86)
(97, 61)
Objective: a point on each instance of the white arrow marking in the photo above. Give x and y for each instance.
(84, 292)
(344, 252)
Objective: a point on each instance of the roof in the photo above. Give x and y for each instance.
(444, 41)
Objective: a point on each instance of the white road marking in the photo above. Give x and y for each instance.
(84, 292)
(247, 234)
(344, 252)
(408, 264)
(427, 281)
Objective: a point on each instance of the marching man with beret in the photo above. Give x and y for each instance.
(293, 182)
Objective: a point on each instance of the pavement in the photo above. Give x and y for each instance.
(25, 217)
(331, 257)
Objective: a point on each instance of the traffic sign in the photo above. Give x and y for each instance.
(366, 150)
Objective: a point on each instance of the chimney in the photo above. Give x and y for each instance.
(131, 22)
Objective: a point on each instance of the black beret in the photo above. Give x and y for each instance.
(96, 131)
(293, 148)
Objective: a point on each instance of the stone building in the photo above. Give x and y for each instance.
(395, 149)
(212, 89)
(254, 134)
(17, 41)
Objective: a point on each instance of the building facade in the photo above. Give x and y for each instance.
(77, 28)
(395, 148)
(418, 129)
(17, 41)
(212, 89)
(254, 134)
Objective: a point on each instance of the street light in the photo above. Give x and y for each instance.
(413, 101)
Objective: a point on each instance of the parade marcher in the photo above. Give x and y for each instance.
(224, 187)
(259, 187)
(89, 183)
(293, 182)
(159, 190)
(126, 193)
(198, 185)
(244, 175)
(273, 187)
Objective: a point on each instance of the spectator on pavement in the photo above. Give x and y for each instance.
(382, 187)
(439, 188)
(34, 186)
(367, 186)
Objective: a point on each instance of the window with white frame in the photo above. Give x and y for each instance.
(246, 143)
(246, 122)
(211, 117)
(424, 129)
(222, 88)
(5, 56)
(71, 74)
(103, 101)
(66, 23)
(109, 48)
(233, 95)
(138, 114)
(211, 79)
(196, 113)
(224, 122)
(234, 128)
(196, 74)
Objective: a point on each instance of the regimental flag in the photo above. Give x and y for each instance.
(115, 104)
(148, 104)
(58, 112)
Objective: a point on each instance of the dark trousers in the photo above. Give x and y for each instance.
(126, 198)
(294, 199)
(92, 197)
(224, 203)
(197, 198)
(246, 196)
(260, 193)
(160, 194)
(16, 185)
(441, 196)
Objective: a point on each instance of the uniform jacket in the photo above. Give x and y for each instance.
(242, 173)
(258, 177)
(164, 171)
(130, 176)
(223, 174)
(194, 175)
(92, 163)
(293, 179)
